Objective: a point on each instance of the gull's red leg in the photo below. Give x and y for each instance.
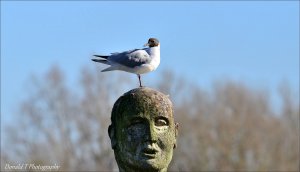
(139, 76)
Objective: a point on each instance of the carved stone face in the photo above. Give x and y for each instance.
(145, 134)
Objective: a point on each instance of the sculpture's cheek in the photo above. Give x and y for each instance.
(166, 142)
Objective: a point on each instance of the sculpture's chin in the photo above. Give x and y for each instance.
(141, 164)
(152, 164)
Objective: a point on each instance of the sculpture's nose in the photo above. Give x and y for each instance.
(151, 135)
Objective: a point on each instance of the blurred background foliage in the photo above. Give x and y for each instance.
(230, 127)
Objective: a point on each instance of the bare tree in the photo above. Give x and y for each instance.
(230, 127)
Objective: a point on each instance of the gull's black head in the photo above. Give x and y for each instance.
(152, 42)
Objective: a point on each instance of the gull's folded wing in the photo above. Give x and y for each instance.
(130, 58)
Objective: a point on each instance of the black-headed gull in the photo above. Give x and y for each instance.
(138, 61)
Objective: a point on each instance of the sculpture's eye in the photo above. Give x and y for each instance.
(161, 122)
(136, 121)
(136, 126)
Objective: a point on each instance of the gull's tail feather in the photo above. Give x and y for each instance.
(101, 61)
(109, 69)
(102, 56)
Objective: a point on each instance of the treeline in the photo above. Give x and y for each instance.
(229, 127)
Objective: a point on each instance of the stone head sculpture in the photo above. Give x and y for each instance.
(143, 132)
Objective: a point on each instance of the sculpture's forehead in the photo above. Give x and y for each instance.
(146, 101)
(148, 105)
(148, 110)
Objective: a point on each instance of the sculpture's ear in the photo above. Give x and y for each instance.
(112, 136)
(176, 134)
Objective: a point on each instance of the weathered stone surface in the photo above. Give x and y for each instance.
(143, 132)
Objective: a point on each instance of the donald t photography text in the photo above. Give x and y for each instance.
(31, 167)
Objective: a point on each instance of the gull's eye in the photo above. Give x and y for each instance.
(161, 122)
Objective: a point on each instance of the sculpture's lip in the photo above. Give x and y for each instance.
(150, 152)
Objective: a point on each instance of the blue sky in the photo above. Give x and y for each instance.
(254, 42)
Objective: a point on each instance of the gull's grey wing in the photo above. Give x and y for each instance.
(131, 58)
